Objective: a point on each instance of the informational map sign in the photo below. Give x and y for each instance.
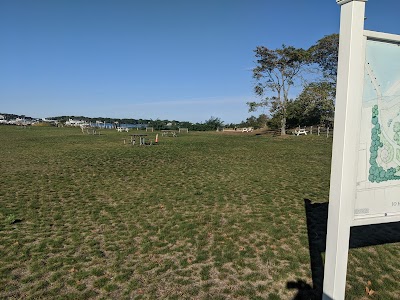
(378, 173)
(365, 169)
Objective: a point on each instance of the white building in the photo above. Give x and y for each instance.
(75, 123)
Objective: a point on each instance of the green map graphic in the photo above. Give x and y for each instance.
(380, 151)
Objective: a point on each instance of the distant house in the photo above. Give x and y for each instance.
(2, 117)
(76, 123)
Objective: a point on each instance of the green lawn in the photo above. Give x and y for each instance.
(200, 216)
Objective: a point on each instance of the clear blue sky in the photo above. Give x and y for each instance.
(180, 59)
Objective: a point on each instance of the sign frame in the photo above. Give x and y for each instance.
(384, 217)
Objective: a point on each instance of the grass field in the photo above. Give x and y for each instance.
(200, 216)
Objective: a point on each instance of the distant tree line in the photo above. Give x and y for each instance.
(277, 71)
(14, 116)
(212, 123)
(63, 119)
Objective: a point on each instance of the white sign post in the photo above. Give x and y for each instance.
(365, 172)
(344, 149)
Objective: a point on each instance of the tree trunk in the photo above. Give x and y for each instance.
(283, 126)
(284, 106)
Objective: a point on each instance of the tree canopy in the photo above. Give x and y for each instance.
(314, 105)
(325, 54)
(275, 73)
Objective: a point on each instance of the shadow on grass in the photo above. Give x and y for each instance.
(360, 236)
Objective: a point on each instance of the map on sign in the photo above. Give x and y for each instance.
(378, 179)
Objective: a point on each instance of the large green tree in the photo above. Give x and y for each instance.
(325, 54)
(276, 72)
(314, 105)
(213, 123)
(255, 122)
